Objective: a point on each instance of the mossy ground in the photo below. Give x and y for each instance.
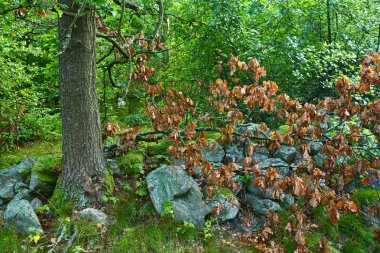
(9, 242)
(40, 149)
(134, 225)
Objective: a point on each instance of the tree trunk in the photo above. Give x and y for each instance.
(328, 10)
(83, 165)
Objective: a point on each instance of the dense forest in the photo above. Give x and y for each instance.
(190, 126)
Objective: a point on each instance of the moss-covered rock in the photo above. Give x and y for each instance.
(153, 148)
(45, 174)
(132, 163)
(159, 160)
(225, 198)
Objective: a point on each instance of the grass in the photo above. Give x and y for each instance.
(366, 196)
(41, 149)
(9, 242)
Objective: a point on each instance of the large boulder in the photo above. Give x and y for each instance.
(286, 153)
(12, 176)
(281, 166)
(213, 152)
(20, 215)
(172, 184)
(225, 201)
(261, 205)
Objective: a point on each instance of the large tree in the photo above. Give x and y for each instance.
(83, 161)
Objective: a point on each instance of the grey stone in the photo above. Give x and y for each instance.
(11, 176)
(7, 188)
(298, 160)
(281, 166)
(286, 153)
(260, 205)
(234, 153)
(315, 147)
(24, 194)
(20, 215)
(44, 188)
(284, 199)
(318, 160)
(213, 152)
(93, 215)
(256, 223)
(109, 150)
(19, 186)
(171, 183)
(243, 129)
(287, 200)
(2, 203)
(260, 154)
(224, 198)
(112, 164)
(36, 202)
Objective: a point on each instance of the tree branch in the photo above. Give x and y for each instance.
(114, 43)
(129, 5)
(160, 19)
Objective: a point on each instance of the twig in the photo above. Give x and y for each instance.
(71, 240)
(106, 55)
(61, 235)
(114, 43)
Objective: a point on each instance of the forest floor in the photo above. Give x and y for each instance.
(134, 226)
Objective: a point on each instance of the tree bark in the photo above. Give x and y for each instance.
(328, 10)
(83, 165)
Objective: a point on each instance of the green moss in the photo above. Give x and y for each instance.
(9, 242)
(109, 182)
(284, 129)
(48, 169)
(155, 237)
(214, 135)
(159, 160)
(132, 162)
(59, 203)
(219, 191)
(160, 148)
(39, 149)
(365, 196)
